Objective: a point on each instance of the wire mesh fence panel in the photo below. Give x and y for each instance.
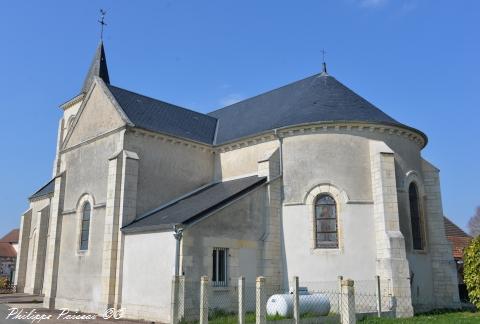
(189, 302)
(324, 303)
(278, 305)
(318, 302)
(366, 298)
(402, 305)
(223, 303)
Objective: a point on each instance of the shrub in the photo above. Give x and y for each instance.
(3, 282)
(472, 270)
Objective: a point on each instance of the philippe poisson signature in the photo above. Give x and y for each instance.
(35, 316)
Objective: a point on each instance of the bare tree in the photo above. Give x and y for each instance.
(474, 224)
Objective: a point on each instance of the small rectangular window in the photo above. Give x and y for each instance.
(220, 264)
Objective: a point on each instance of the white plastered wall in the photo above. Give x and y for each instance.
(148, 268)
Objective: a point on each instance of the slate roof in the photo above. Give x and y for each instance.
(318, 98)
(11, 237)
(159, 116)
(45, 190)
(98, 68)
(195, 205)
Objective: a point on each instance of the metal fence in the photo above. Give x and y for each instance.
(340, 301)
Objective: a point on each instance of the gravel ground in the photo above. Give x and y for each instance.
(30, 304)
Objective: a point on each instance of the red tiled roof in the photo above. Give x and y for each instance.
(7, 250)
(11, 237)
(453, 230)
(458, 245)
(457, 237)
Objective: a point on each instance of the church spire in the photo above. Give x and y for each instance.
(97, 68)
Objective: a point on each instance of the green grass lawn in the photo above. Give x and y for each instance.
(440, 317)
(446, 317)
(220, 317)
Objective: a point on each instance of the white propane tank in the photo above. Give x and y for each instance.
(282, 304)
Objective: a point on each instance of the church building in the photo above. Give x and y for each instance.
(307, 180)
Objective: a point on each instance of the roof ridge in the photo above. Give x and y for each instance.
(270, 91)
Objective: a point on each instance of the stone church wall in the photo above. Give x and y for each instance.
(79, 284)
(37, 235)
(244, 161)
(97, 117)
(87, 170)
(168, 168)
(338, 165)
(239, 226)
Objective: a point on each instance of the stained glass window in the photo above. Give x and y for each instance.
(326, 229)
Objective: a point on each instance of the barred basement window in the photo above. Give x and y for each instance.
(85, 226)
(326, 231)
(416, 221)
(219, 273)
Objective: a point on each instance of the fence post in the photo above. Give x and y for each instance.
(241, 300)
(260, 317)
(348, 302)
(296, 301)
(175, 302)
(204, 300)
(379, 296)
(340, 308)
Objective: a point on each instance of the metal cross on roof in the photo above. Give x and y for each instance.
(323, 54)
(323, 58)
(102, 22)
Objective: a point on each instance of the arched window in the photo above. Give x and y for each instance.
(85, 226)
(415, 219)
(326, 231)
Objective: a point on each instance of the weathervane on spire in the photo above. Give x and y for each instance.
(323, 58)
(102, 22)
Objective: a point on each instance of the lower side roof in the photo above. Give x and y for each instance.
(194, 206)
(46, 190)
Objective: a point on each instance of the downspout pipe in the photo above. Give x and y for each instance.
(280, 151)
(178, 234)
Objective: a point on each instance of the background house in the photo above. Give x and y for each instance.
(8, 254)
(460, 240)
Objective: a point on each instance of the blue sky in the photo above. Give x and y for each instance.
(416, 60)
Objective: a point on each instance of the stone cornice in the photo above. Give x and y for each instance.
(93, 139)
(322, 128)
(49, 195)
(72, 101)
(135, 131)
(312, 128)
